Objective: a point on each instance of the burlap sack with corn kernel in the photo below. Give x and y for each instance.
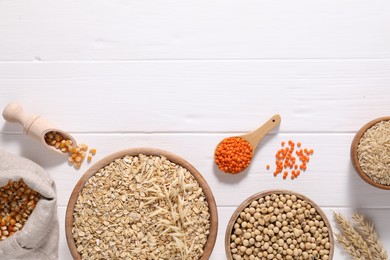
(38, 238)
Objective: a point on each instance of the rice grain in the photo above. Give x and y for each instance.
(374, 152)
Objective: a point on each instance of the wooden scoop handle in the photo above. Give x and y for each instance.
(14, 113)
(257, 135)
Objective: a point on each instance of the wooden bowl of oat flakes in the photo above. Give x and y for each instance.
(370, 152)
(278, 224)
(141, 203)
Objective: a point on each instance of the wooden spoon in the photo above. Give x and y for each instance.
(257, 135)
(253, 138)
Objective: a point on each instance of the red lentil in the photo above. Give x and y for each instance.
(233, 155)
(285, 160)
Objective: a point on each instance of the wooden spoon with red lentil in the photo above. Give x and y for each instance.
(234, 154)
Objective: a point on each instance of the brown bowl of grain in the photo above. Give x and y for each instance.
(370, 152)
(278, 224)
(141, 203)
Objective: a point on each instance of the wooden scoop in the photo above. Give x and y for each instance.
(34, 125)
(229, 163)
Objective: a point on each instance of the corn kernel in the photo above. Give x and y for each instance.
(58, 137)
(77, 165)
(76, 154)
(16, 212)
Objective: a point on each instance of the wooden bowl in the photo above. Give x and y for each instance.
(354, 156)
(208, 248)
(259, 195)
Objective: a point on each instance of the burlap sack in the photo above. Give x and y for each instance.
(38, 239)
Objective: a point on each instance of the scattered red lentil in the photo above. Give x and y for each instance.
(233, 155)
(285, 160)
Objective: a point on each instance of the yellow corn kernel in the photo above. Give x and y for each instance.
(16, 211)
(58, 137)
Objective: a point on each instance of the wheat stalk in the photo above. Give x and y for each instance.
(353, 236)
(366, 229)
(346, 244)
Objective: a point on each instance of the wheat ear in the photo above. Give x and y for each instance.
(346, 244)
(366, 229)
(353, 236)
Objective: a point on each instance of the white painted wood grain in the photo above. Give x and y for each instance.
(202, 96)
(195, 29)
(330, 179)
(183, 75)
(187, 107)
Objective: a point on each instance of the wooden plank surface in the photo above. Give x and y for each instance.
(181, 76)
(330, 164)
(203, 96)
(195, 29)
(330, 180)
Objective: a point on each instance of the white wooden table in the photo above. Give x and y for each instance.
(182, 75)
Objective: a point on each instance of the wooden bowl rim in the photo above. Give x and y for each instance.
(354, 156)
(262, 194)
(208, 248)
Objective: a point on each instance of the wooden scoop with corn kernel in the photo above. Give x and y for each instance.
(40, 129)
